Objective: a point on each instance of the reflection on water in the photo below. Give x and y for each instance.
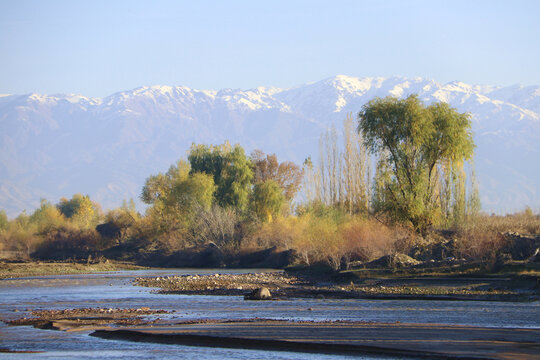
(115, 290)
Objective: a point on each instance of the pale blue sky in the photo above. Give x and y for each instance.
(99, 47)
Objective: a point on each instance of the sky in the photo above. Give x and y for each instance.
(96, 48)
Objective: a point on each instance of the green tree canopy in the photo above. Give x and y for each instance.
(47, 216)
(81, 210)
(196, 191)
(267, 200)
(157, 189)
(230, 168)
(411, 140)
(176, 195)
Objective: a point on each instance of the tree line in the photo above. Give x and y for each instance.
(393, 174)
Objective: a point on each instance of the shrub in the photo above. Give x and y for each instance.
(524, 222)
(217, 225)
(283, 232)
(479, 245)
(367, 239)
(68, 242)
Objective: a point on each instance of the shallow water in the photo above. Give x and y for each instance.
(115, 290)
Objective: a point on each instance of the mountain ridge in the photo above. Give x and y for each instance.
(56, 145)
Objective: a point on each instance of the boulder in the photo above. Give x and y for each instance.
(522, 247)
(259, 294)
(438, 251)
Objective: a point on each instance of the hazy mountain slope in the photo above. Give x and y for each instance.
(53, 146)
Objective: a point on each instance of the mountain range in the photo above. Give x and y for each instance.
(57, 145)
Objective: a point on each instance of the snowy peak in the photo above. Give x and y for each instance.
(329, 97)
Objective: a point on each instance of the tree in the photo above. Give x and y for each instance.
(176, 196)
(47, 217)
(341, 178)
(311, 184)
(3, 220)
(198, 188)
(414, 139)
(158, 188)
(231, 170)
(287, 174)
(267, 200)
(80, 210)
(217, 225)
(355, 169)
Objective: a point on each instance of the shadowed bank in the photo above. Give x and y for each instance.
(415, 340)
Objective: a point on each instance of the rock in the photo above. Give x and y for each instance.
(521, 247)
(259, 294)
(438, 250)
(393, 261)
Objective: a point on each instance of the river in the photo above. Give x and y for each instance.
(114, 290)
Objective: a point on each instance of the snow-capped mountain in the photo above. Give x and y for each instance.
(57, 145)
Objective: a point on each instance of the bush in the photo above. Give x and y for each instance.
(217, 225)
(283, 232)
(367, 239)
(68, 242)
(479, 245)
(524, 222)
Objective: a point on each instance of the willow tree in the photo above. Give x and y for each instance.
(231, 169)
(267, 200)
(176, 196)
(414, 140)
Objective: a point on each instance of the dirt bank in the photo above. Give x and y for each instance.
(24, 269)
(89, 318)
(417, 340)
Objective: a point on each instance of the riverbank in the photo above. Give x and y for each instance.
(331, 337)
(88, 318)
(81, 304)
(26, 269)
(414, 340)
(436, 341)
(304, 285)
